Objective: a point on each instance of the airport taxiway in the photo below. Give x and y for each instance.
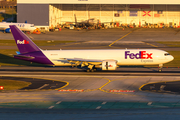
(96, 86)
(106, 39)
(138, 34)
(121, 71)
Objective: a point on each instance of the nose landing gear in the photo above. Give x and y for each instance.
(160, 67)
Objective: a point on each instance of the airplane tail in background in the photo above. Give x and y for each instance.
(75, 19)
(25, 45)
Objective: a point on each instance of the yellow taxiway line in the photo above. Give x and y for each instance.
(151, 45)
(120, 38)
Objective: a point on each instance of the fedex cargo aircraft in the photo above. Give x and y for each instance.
(92, 59)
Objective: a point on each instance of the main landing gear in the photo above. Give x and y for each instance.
(160, 67)
(91, 68)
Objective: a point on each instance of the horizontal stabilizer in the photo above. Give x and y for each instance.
(17, 52)
(23, 56)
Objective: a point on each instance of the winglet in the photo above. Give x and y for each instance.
(24, 44)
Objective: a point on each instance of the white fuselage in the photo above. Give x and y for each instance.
(123, 57)
(21, 26)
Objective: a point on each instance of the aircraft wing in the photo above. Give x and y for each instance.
(80, 60)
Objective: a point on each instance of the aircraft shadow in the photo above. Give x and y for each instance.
(5, 59)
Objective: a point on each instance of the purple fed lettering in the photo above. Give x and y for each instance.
(138, 55)
(126, 54)
(131, 56)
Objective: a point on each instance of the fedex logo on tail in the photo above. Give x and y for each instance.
(22, 42)
(140, 55)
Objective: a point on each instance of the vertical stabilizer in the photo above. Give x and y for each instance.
(25, 44)
(75, 20)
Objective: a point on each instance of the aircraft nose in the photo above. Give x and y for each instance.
(171, 58)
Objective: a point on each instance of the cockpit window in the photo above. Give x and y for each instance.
(166, 54)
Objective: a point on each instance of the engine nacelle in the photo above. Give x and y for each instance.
(8, 30)
(109, 65)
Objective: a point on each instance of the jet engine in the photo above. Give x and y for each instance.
(109, 65)
(8, 30)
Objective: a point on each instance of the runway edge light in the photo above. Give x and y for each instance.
(1, 88)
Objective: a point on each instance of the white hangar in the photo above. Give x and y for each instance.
(138, 12)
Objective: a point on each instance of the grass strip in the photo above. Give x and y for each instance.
(13, 84)
(170, 43)
(37, 42)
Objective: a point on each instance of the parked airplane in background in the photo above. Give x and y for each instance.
(105, 59)
(91, 22)
(26, 27)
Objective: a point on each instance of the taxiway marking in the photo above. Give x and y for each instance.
(104, 103)
(120, 38)
(151, 45)
(105, 84)
(58, 102)
(149, 103)
(98, 107)
(50, 107)
(43, 86)
(74, 43)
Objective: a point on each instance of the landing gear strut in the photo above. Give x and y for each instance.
(160, 67)
(91, 68)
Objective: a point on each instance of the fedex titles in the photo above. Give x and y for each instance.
(140, 55)
(22, 42)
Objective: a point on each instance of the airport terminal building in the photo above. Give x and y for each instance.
(54, 12)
